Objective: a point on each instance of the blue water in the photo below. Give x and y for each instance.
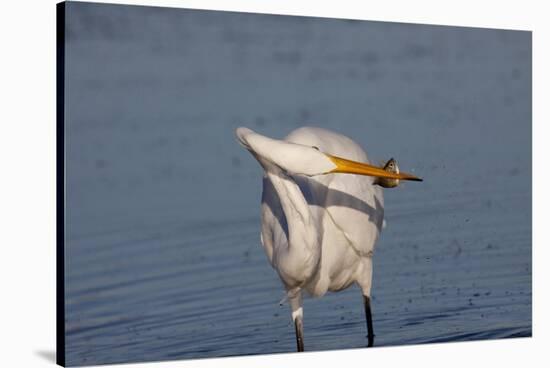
(163, 259)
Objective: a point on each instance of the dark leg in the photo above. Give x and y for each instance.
(295, 299)
(368, 314)
(299, 334)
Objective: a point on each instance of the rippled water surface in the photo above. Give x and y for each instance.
(163, 259)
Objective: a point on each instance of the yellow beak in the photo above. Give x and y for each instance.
(353, 167)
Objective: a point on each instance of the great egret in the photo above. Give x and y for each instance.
(320, 224)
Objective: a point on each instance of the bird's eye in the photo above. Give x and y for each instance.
(317, 148)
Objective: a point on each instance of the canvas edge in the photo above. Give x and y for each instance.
(60, 183)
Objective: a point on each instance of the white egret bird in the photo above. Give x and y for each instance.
(320, 224)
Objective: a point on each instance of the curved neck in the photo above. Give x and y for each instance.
(292, 200)
(304, 248)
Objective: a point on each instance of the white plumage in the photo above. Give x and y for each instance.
(320, 222)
